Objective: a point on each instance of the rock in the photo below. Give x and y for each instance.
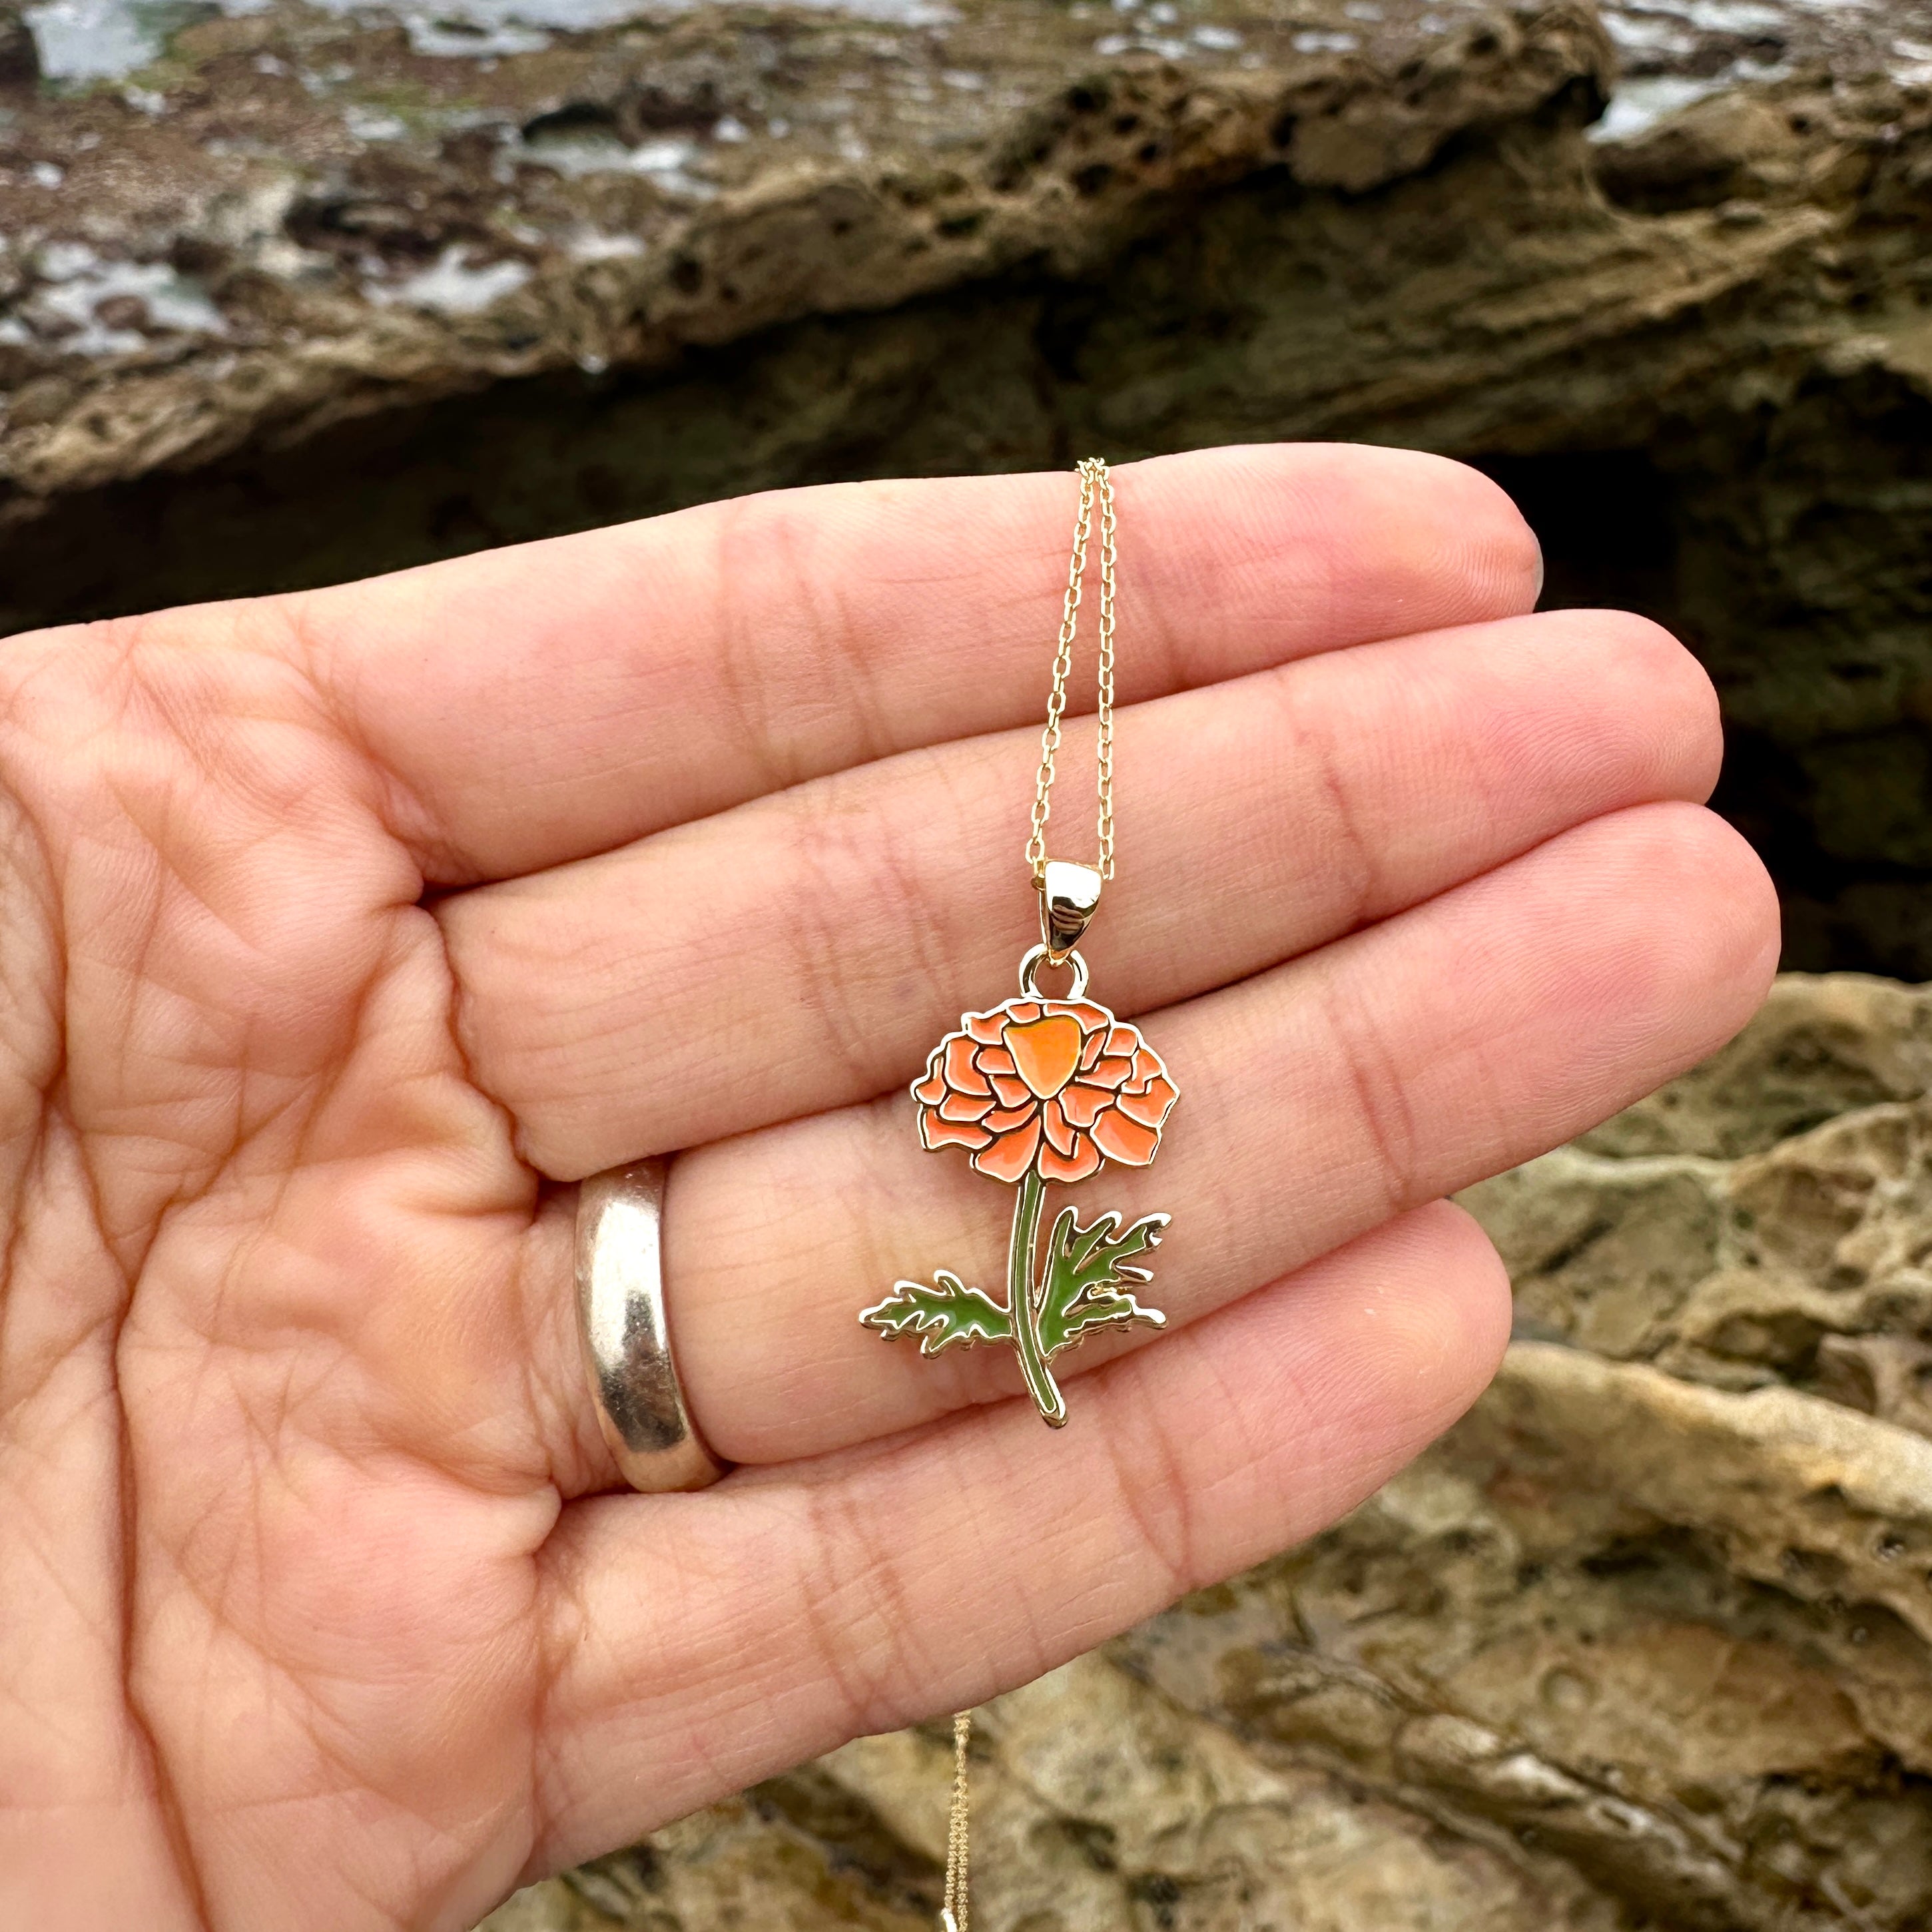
(1764, 1219)
(1647, 1639)
(20, 58)
(311, 295)
(621, 197)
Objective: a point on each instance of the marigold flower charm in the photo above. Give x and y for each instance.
(1038, 1090)
(1055, 1085)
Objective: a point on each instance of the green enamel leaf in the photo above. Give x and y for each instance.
(947, 1313)
(1084, 1269)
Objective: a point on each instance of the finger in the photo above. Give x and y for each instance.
(703, 1643)
(616, 1009)
(1391, 1067)
(532, 704)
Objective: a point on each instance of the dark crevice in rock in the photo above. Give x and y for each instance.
(1686, 539)
(855, 1840)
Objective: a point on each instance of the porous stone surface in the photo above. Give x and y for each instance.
(1646, 1640)
(299, 292)
(337, 220)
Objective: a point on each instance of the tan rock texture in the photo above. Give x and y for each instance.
(1646, 1641)
(317, 292)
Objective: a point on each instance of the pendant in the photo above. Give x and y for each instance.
(1040, 1090)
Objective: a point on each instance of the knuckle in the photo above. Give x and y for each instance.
(1373, 1081)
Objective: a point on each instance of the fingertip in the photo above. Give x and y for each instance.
(1501, 555)
(1451, 537)
(1469, 1321)
(1698, 862)
(1425, 1300)
(1689, 740)
(1320, 546)
(1667, 696)
(1684, 937)
(1748, 928)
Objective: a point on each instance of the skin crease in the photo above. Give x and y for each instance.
(340, 933)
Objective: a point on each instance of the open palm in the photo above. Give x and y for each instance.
(339, 933)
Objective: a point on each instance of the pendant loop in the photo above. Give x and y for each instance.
(1069, 896)
(1038, 956)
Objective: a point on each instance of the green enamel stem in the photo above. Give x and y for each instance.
(1020, 1302)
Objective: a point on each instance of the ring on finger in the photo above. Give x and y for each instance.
(620, 1308)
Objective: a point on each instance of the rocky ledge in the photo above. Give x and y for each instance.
(302, 291)
(1646, 1640)
(295, 219)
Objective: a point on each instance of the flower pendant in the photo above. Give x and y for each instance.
(1040, 1090)
(1036, 1090)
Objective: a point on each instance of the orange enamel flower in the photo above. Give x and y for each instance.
(1054, 1085)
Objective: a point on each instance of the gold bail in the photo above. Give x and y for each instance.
(1069, 896)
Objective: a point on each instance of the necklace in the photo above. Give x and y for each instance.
(1038, 1090)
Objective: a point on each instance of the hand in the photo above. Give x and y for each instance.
(337, 930)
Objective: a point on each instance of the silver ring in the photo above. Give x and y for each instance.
(620, 1316)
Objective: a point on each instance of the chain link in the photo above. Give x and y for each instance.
(1096, 488)
(958, 1849)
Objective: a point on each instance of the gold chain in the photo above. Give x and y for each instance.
(1097, 489)
(959, 1850)
(1095, 486)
